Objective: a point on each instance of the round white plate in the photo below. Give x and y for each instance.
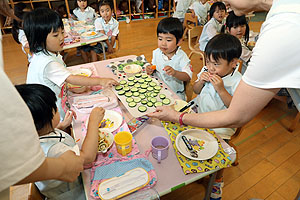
(200, 139)
(114, 117)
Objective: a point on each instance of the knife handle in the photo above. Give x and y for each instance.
(186, 142)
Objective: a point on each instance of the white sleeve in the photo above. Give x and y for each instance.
(22, 38)
(57, 73)
(115, 30)
(186, 63)
(98, 25)
(153, 58)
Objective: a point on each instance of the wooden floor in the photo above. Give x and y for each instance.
(269, 155)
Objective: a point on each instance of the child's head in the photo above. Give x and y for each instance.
(105, 9)
(222, 53)
(237, 26)
(169, 33)
(44, 30)
(217, 11)
(41, 102)
(82, 4)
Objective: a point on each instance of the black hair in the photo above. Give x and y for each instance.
(171, 25)
(62, 11)
(105, 3)
(223, 46)
(38, 24)
(41, 102)
(216, 5)
(95, 6)
(76, 5)
(233, 21)
(16, 25)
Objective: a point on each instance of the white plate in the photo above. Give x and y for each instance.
(210, 145)
(113, 117)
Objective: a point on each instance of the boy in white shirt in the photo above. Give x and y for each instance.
(200, 9)
(172, 64)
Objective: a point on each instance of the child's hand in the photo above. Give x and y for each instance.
(217, 82)
(204, 77)
(108, 82)
(67, 120)
(169, 70)
(97, 115)
(149, 69)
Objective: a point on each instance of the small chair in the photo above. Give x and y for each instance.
(195, 32)
(116, 49)
(189, 22)
(295, 95)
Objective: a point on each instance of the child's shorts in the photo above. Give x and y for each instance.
(98, 48)
(86, 48)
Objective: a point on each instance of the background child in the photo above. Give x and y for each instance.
(216, 84)
(172, 63)
(238, 27)
(44, 30)
(83, 12)
(217, 14)
(181, 7)
(107, 25)
(54, 142)
(19, 36)
(200, 9)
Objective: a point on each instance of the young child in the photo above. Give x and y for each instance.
(107, 25)
(83, 12)
(238, 27)
(172, 64)
(44, 30)
(217, 14)
(216, 84)
(54, 142)
(200, 9)
(20, 10)
(181, 7)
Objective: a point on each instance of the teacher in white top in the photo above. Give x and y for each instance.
(275, 64)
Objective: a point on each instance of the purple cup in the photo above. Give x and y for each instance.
(160, 147)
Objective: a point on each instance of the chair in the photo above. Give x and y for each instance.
(195, 32)
(26, 191)
(116, 49)
(189, 22)
(295, 95)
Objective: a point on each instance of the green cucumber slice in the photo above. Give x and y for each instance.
(131, 78)
(138, 75)
(131, 83)
(137, 99)
(134, 89)
(142, 108)
(118, 87)
(123, 82)
(136, 94)
(129, 99)
(154, 94)
(149, 98)
(148, 79)
(132, 104)
(122, 92)
(157, 88)
(144, 76)
(162, 96)
(137, 85)
(158, 103)
(144, 86)
(153, 100)
(142, 96)
(150, 88)
(144, 102)
(128, 94)
(149, 94)
(166, 101)
(149, 104)
(152, 84)
(126, 89)
(141, 81)
(142, 91)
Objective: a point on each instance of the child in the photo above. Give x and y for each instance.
(44, 30)
(216, 84)
(182, 7)
(200, 9)
(83, 12)
(54, 142)
(238, 27)
(20, 10)
(107, 25)
(217, 14)
(172, 64)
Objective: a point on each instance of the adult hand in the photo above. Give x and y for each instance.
(73, 165)
(217, 82)
(169, 70)
(165, 113)
(108, 82)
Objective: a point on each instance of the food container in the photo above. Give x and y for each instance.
(132, 69)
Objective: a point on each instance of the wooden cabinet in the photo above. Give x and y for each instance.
(132, 14)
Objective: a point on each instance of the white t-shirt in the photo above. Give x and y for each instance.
(275, 61)
(23, 40)
(209, 100)
(49, 70)
(20, 150)
(210, 29)
(181, 8)
(111, 28)
(200, 11)
(89, 13)
(179, 62)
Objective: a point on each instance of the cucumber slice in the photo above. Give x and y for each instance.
(144, 102)
(156, 91)
(134, 89)
(148, 79)
(131, 83)
(128, 94)
(137, 85)
(142, 91)
(149, 104)
(123, 82)
(122, 92)
(118, 87)
(131, 78)
(162, 96)
(144, 86)
(150, 89)
(153, 100)
(149, 94)
(152, 84)
(126, 89)
(129, 99)
(137, 100)
(142, 108)
(132, 104)
(138, 75)
(149, 98)
(157, 88)
(144, 76)
(154, 94)
(136, 94)
(135, 80)
(158, 103)
(166, 101)
(142, 96)
(141, 81)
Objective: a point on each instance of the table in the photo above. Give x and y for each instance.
(169, 179)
